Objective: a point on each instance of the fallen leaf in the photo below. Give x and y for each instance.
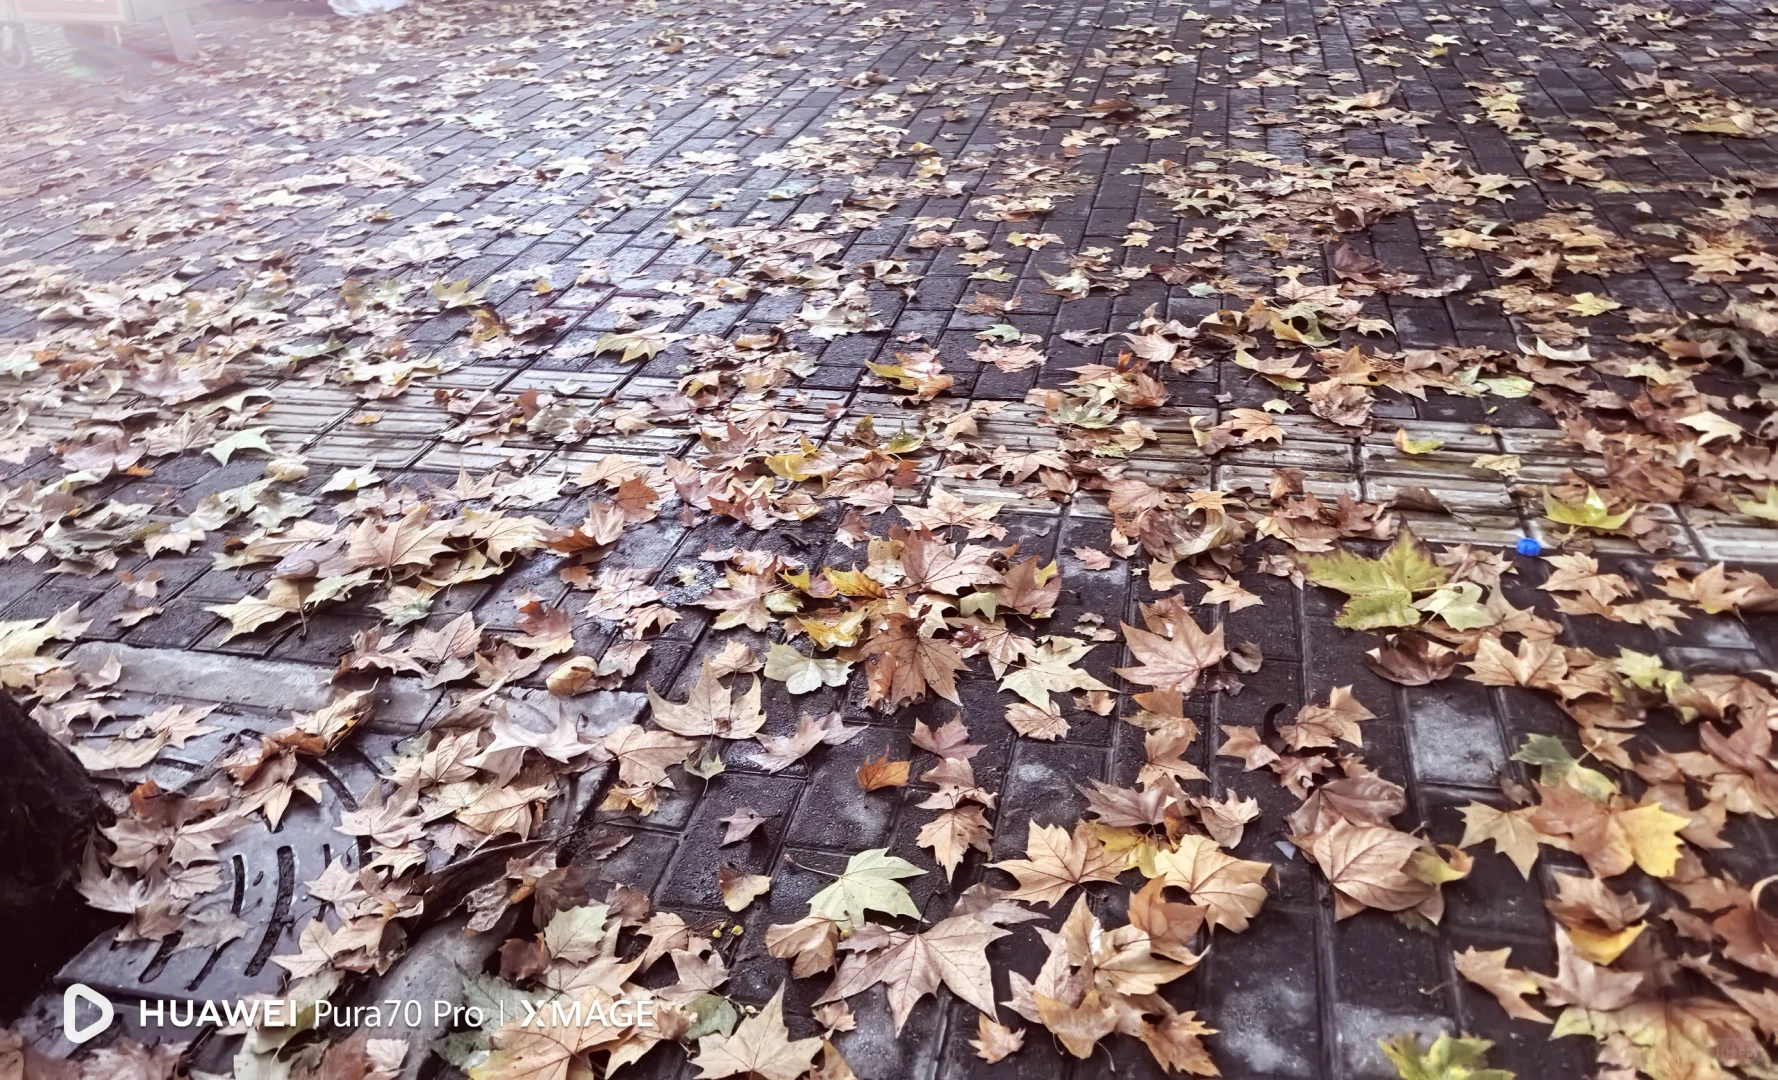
(741, 824)
(741, 889)
(994, 1042)
(760, 1046)
(868, 884)
(1509, 985)
(881, 773)
(1056, 861)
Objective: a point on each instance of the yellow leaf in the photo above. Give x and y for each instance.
(1407, 444)
(1601, 947)
(1654, 837)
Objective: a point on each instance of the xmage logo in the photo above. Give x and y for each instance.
(71, 1000)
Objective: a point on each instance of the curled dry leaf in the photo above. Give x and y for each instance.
(1412, 660)
(995, 1042)
(881, 773)
(742, 824)
(739, 888)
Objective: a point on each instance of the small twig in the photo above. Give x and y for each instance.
(811, 869)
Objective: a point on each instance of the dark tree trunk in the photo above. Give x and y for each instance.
(49, 808)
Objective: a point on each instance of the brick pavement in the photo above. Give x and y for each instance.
(500, 135)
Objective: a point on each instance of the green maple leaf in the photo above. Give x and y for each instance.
(1381, 590)
(1557, 766)
(1459, 605)
(803, 674)
(869, 884)
(1447, 1059)
(1589, 513)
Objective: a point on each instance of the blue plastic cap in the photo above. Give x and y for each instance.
(1529, 547)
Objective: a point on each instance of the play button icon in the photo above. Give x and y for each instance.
(71, 1001)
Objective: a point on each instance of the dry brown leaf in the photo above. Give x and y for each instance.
(1173, 661)
(1229, 888)
(1412, 660)
(1326, 725)
(952, 833)
(739, 888)
(741, 824)
(994, 1042)
(881, 773)
(1509, 985)
(1244, 743)
(760, 1046)
(1056, 861)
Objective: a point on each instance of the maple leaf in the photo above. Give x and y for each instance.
(1228, 591)
(868, 884)
(740, 889)
(902, 665)
(1244, 743)
(1368, 866)
(951, 740)
(1459, 605)
(1177, 1043)
(643, 757)
(741, 824)
(1055, 862)
(1381, 590)
(638, 345)
(551, 1048)
(574, 934)
(711, 709)
(1580, 982)
(783, 751)
(952, 833)
(811, 940)
(1408, 444)
(748, 600)
(1173, 661)
(249, 613)
(881, 773)
(931, 565)
(802, 674)
(1227, 887)
(1092, 558)
(1048, 669)
(1537, 664)
(760, 1046)
(944, 509)
(245, 439)
(1766, 508)
(922, 377)
(1045, 724)
(406, 542)
(1326, 725)
(1511, 830)
(1163, 756)
(911, 966)
(1509, 985)
(1225, 821)
(1412, 660)
(1612, 840)
(994, 1042)
(1590, 512)
(1031, 589)
(1447, 1059)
